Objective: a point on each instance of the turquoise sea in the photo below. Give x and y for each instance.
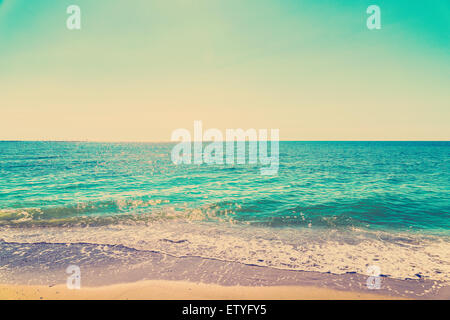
(333, 207)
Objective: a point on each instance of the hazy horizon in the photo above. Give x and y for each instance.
(204, 141)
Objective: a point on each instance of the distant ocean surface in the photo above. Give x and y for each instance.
(333, 207)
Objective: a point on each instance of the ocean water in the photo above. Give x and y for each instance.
(334, 207)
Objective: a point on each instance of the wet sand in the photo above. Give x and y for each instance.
(119, 272)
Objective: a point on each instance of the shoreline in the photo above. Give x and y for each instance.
(181, 290)
(398, 256)
(115, 271)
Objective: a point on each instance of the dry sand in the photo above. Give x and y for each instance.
(177, 290)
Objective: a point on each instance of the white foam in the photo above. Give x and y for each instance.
(398, 256)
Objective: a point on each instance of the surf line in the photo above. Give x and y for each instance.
(235, 142)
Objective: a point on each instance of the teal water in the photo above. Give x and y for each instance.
(379, 185)
(325, 194)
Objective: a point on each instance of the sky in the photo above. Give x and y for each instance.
(138, 70)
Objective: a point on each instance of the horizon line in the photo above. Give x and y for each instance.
(268, 140)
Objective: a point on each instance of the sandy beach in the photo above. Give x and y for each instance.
(32, 272)
(178, 290)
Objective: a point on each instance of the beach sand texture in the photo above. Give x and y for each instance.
(178, 290)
